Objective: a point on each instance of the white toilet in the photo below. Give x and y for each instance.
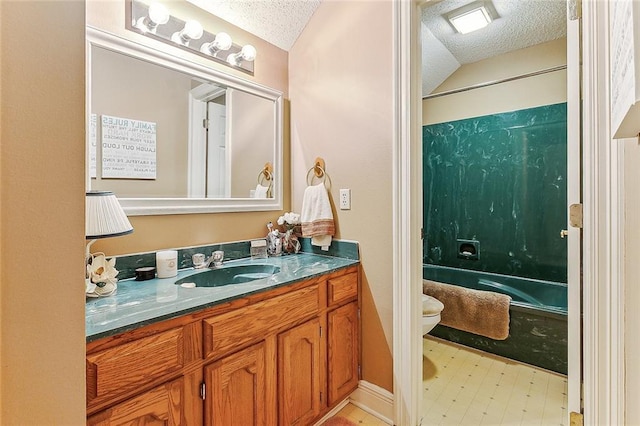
(431, 308)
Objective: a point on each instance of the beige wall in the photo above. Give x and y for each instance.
(529, 92)
(42, 213)
(127, 87)
(631, 197)
(271, 69)
(252, 131)
(340, 84)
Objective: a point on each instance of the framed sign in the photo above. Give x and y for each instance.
(93, 141)
(128, 148)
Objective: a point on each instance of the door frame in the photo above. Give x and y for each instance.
(407, 214)
(574, 234)
(603, 243)
(603, 250)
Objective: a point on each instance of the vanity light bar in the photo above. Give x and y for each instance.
(155, 21)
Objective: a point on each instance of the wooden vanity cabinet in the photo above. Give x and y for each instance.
(343, 341)
(284, 357)
(241, 389)
(159, 406)
(301, 374)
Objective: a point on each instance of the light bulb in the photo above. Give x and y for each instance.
(192, 31)
(248, 52)
(222, 41)
(158, 14)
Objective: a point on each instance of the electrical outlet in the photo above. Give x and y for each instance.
(345, 199)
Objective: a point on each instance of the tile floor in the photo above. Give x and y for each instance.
(359, 416)
(463, 386)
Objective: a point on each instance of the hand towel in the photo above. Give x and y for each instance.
(316, 216)
(261, 191)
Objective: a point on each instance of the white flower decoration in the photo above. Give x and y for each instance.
(102, 271)
(101, 278)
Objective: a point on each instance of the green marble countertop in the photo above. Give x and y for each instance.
(139, 303)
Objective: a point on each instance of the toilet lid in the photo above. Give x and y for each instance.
(431, 305)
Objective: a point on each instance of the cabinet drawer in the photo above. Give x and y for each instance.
(342, 289)
(161, 405)
(121, 369)
(226, 332)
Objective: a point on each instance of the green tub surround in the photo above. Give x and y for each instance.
(139, 303)
(495, 193)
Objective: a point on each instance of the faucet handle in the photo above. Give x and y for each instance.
(198, 260)
(218, 257)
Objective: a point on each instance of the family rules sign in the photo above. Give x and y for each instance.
(128, 148)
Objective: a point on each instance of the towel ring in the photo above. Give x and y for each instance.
(318, 172)
(266, 175)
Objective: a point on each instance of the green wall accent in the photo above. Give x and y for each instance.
(500, 180)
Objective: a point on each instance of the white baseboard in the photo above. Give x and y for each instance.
(374, 400)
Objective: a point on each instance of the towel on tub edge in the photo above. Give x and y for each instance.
(479, 312)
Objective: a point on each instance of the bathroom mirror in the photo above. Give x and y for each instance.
(169, 136)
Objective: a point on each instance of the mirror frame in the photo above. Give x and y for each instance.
(168, 206)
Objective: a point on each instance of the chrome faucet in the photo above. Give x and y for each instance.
(215, 259)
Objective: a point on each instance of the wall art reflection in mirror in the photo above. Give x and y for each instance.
(169, 136)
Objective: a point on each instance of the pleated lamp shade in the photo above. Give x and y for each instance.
(104, 216)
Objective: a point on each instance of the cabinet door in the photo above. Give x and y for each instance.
(300, 374)
(159, 406)
(342, 351)
(238, 389)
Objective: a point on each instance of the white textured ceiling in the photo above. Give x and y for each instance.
(279, 22)
(519, 24)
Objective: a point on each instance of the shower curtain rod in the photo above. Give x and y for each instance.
(492, 83)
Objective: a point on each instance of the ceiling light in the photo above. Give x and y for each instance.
(158, 15)
(222, 42)
(248, 53)
(470, 18)
(192, 31)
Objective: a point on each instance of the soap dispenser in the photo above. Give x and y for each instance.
(274, 241)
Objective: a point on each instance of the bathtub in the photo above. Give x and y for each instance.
(538, 316)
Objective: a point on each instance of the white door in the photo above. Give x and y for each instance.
(574, 237)
(216, 150)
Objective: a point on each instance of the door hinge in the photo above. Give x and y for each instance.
(203, 390)
(576, 419)
(320, 331)
(205, 123)
(575, 215)
(320, 396)
(574, 9)
(359, 370)
(358, 313)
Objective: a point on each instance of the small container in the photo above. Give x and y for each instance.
(145, 273)
(167, 263)
(258, 249)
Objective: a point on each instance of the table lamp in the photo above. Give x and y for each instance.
(104, 218)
